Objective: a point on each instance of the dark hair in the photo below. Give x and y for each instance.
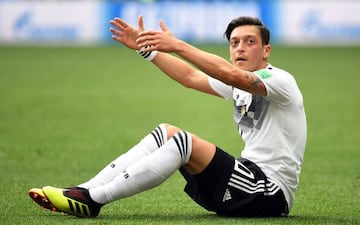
(246, 20)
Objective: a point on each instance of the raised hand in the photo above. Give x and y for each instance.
(126, 33)
(162, 40)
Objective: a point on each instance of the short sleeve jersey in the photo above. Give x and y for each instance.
(273, 127)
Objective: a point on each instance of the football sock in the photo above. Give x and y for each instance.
(146, 146)
(148, 172)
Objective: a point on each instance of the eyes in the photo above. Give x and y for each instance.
(235, 42)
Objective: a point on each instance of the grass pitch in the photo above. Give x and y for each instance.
(66, 112)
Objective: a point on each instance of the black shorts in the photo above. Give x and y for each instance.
(235, 187)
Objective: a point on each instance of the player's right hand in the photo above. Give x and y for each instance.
(125, 33)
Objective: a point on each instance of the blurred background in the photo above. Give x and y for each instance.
(292, 22)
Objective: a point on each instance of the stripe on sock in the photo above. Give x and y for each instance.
(158, 136)
(182, 142)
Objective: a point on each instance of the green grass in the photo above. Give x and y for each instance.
(66, 112)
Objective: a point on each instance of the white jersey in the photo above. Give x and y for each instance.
(272, 127)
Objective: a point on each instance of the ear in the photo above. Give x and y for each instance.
(267, 49)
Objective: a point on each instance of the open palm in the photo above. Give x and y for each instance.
(125, 33)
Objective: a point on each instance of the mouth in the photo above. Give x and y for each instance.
(241, 59)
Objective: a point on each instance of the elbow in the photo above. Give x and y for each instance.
(190, 81)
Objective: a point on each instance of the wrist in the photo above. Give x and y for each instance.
(150, 55)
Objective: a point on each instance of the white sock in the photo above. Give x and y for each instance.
(146, 146)
(148, 172)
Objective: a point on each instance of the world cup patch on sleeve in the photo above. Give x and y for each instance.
(264, 74)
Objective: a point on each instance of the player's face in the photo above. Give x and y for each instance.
(246, 48)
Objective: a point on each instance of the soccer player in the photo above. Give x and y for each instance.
(268, 111)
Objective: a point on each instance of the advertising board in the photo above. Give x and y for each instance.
(319, 22)
(49, 22)
(303, 22)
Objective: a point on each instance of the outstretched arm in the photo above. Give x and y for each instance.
(175, 68)
(210, 64)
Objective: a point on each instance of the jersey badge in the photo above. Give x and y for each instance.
(264, 74)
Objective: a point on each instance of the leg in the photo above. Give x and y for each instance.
(146, 146)
(201, 154)
(182, 149)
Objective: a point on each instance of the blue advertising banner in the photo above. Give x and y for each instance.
(303, 22)
(319, 22)
(49, 22)
(197, 21)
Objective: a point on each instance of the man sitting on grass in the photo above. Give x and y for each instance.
(268, 111)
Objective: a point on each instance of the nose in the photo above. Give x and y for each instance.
(240, 46)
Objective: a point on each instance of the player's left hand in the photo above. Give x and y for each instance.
(163, 40)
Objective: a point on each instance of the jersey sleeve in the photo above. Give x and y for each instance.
(278, 83)
(221, 88)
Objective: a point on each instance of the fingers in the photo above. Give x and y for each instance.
(119, 23)
(145, 36)
(117, 34)
(115, 31)
(163, 26)
(141, 23)
(116, 38)
(151, 38)
(144, 42)
(138, 37)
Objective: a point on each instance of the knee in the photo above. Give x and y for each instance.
(170, 129)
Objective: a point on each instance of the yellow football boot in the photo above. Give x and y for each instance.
(75, 201)
(38, 196)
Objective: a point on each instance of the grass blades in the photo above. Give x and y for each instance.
(66, 112)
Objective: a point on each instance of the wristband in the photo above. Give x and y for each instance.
(147, 55)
